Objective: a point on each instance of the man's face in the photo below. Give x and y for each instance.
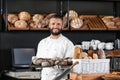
(55, 26)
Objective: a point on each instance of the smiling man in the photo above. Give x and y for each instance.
(54, 46)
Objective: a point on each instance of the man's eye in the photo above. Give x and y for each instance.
(58, 23)
(53, 23)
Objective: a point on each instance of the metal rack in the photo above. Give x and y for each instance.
(60, 6)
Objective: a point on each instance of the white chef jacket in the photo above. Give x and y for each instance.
(52, 48)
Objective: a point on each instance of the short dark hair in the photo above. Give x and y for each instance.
(57, 16)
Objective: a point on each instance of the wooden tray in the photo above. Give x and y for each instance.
(64, 29)
(94, 22)
(39, 28)
(11, 27)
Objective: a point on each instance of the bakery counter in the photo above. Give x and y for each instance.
(75, 76)
(25, 75)
(112, 76)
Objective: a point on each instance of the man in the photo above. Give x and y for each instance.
(55, 45)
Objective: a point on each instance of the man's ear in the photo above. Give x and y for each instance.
(63, 27)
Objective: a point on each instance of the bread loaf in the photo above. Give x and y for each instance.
(24, 16)
(12, 18)
(101, 54)
(72, 14)
(45, 64)
(78, 53)
(37, 18)
(20, 24)
(50, 15)
(84, 55)
(95, 56)
(76, 23)
(90, 52)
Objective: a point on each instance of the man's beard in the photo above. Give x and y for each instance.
(55, 33)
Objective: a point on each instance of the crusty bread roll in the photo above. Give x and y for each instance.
(32, 24)
(84, 55)
(44, 23)
(24, 16)
(116, 19)
(89, 57)
(111, 25)
(12, 18)
(37, 18)
(76, 23)
(37, 61)
(20, 24)
(72, 14)
(45, 64)
(63, 63)
(106, 20)
(78, 53)
(95, 56)
(117, 23)
(101, 54)
(50, 15)
(90, 52)
(108, 17)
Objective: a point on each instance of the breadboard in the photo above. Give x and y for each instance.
(94, 22)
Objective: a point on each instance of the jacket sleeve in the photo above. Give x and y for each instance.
(39, 48)
(69, 50)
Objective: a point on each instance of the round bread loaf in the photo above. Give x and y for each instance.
(24, 16)
(95, 56)
(20, 24)
(117, 23)
(76, 23)
(84, 55)
(45, 22)
(37, 18)
(90, 52)
(72, 14)
(45, 64)
(12, 18)
(32, 24)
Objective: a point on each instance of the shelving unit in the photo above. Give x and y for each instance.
(53, 7)
(61, 7)
(30, 38)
